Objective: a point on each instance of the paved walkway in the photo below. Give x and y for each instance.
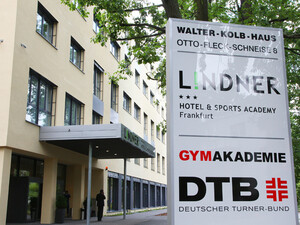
(154, 217)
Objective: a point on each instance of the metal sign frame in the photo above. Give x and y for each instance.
(229, 144)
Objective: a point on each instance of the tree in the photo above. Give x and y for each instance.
(143, 22)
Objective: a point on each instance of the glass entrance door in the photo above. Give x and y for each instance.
(34, 201)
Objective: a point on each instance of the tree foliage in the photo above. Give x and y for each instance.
(143, 23)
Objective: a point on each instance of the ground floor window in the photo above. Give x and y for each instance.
(158, 196)
(137, 195)
(145, 195)
(112, 192)
(128, 194)
(25, 189)
(164, 196)
(22, 166)
(152, 195)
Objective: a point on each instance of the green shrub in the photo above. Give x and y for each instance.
(61, 202)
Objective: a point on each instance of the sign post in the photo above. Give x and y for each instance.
(229, 143)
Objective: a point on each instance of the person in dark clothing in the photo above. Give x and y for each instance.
(100, 203)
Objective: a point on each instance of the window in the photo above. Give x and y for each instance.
(158, 196)
(136, 195)
(79, 8)
(98, 81)
(152, 98)
(163, 112)
(137, 112)
(152, 195)
(145, 127)
(152, 132)
(22, 166)
(126, 102)
(163, 165)
(137, 78)
(40, 100)
(115, 49)
(73, 111)
(145, 89)
(97, 119)
(145, 195)
(137, 161)
(158, 162)
(76, 54)
(145, 162)
(46, 24)
(158, 132)
(163, 134)
(153, 164)
(127, 61)
(96, 26)
(157, 105)
(164, 196)
(112, 194)
(114, 97)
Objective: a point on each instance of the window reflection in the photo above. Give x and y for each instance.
(45, 24)
(39, 100)
(26, 167)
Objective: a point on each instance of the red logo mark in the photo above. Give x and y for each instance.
(277, 189)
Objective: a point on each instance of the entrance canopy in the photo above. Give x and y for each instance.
(108, 141)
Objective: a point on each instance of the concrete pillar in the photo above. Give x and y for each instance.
(155, 194)
(78, 178)
(141, 194)
(103, 177)
(120, 192)
(132, 193)
(160, 195)
(149, 194)
(97, 182)
(49, 191)
(5, 163)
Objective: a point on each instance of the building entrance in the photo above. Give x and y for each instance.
(24, 199)
(25, 190)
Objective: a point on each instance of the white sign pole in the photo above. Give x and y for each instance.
(229, 145)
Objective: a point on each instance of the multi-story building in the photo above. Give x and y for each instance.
(52, 75)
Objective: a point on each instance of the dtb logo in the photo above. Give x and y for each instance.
(243, 188)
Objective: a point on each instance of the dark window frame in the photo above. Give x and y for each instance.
(152, 98)
(137, 80)
(115, 49)
(37, 164)
(145, 89)
(75, 47)
(114, 97)
(72, 102)
(98, 85)
(48, 110)
(96, 26)
(97, 118)
(80, 9)
(137, 112)
(50, 20)
(127, 102)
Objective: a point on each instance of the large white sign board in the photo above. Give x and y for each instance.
(229, 147)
